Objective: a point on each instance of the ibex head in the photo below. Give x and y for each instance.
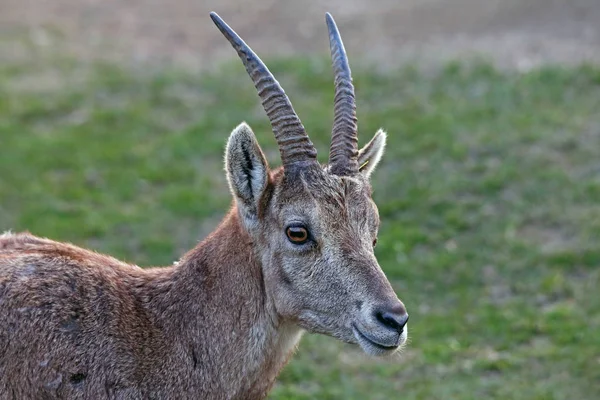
(312, 226)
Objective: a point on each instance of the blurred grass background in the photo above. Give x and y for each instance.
(489, 197)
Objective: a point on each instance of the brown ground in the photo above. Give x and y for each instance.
(514, 33)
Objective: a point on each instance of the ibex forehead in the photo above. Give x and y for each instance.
(319, 184)
(330, 196)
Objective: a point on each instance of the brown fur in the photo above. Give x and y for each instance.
(223, 321)
(77, 324)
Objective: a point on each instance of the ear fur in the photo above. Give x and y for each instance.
(370, 155)
(247, 172)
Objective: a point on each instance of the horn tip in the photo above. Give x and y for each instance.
(218, 21)
(329, 19)
(331, 25)
(225, 29)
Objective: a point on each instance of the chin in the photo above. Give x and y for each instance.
(372, 348)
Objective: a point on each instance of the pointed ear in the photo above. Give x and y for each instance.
(370, 155)
(247, 172)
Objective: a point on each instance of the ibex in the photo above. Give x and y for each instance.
(294, 254)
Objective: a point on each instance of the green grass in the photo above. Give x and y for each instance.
(489, 195)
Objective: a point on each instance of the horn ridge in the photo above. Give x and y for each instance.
(286, 124)
(343, 152)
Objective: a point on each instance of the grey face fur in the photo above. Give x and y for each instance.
(331, 283)
(314, 227)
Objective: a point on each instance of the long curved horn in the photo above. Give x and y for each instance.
(294, 144)
(343, 153)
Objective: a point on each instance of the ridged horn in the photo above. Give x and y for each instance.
(343, 153)
(294, 144)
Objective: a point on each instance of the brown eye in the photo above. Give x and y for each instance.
(374, 242)
(297, 234)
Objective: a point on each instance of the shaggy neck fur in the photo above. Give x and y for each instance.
(214, 301)
(78, 324)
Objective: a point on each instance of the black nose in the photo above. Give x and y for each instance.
(394, 317)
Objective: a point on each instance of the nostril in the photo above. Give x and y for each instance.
(392, 320)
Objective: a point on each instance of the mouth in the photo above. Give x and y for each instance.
(372, 346)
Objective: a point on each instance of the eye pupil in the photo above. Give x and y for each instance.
(297, 234)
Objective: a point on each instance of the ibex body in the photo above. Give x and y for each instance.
(294, 254)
